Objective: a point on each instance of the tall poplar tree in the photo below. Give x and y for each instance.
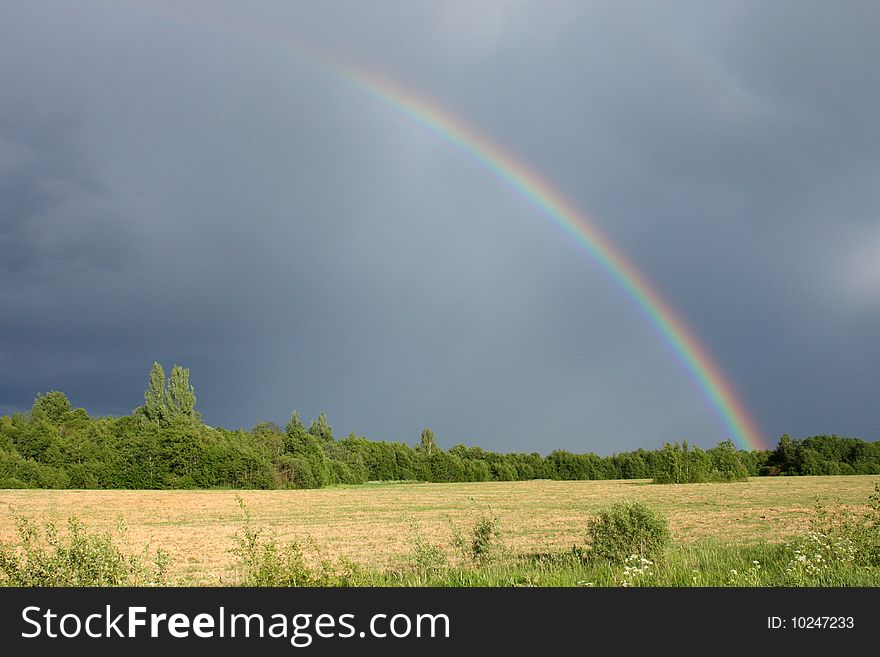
(155, 406)
(181, 396)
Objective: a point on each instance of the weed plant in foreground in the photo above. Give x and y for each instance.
(80, 558)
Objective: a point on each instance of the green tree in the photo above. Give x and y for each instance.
(726, 462)
(320, 429)
(53, 406)
(155, 407)
(269, 436)
(427, 443)
(670, 467)
(293, 432)
(310, 468)
(784, 458)
(181, 397)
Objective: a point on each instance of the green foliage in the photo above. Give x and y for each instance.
(425, 556)
(263, 561)
(625, 529)
(320, 428)
(481, 543)
(163, 444)
(823, 455)
(485, 540)
(726, 463)
(308, 466)
(681, 464)
(167, 402)
(53, 406)
(155, 407)
(427, 442)
(269, 438)
(82, 558)
(181, 396)
(856, 531)
(565, 465)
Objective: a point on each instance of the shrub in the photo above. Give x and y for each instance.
(482, 544)
(81, 558)
(262, 561)
(626, 529)
(485, 539)
(425, 557)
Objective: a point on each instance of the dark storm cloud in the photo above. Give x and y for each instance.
(54, 213)
(176, 183)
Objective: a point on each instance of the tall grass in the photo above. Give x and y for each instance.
(705, 564)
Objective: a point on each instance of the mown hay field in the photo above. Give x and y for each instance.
(373, 525)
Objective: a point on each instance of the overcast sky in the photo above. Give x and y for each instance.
(178, 183)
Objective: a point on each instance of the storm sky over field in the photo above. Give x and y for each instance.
(187, 183)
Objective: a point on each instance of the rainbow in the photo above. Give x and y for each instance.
(553, 205)
(550, 203)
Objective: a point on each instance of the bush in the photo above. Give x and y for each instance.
(482, 544)
(485, 540)
(425, 557)
(626, 529)
(262, 561)
(79, 559)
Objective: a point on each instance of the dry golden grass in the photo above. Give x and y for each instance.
(372, 525)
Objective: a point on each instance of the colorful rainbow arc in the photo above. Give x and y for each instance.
(547, 200)
(554, 206)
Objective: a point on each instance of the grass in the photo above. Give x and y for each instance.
(718, 530)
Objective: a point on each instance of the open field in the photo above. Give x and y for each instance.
(372, 525)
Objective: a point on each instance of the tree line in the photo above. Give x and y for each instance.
(165, 444)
